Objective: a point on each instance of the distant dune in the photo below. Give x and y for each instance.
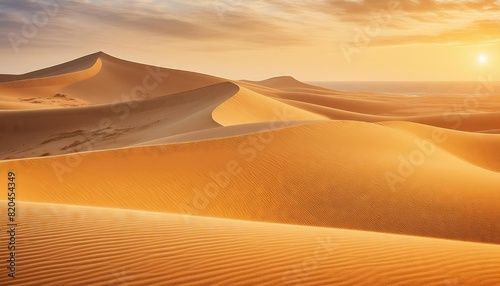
(245, 178)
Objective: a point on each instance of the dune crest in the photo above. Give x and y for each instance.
(74, 66)
(247, 107)
(65, 79)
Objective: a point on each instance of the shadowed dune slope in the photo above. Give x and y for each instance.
(338, 174)
(91, 246)
(32, 133)
(223, 132)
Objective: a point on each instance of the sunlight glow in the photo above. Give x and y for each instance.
(482, 59)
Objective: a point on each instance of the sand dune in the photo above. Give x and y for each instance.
(121, 80)
(336, 174)
(444, 117)
(62, 131)
(97, 141)
(469, 113)
(247, 107)
(57, 80)
(285, 82)
(74, 66)
(89, 246)
(100, 79)
(39, 90)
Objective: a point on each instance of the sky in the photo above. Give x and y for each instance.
(315, 40)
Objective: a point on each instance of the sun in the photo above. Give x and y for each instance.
(482, 59)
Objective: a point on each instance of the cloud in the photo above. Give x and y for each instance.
(364, 7)
(421, 21)
(145, 21)
(479, 32)
(236, 25)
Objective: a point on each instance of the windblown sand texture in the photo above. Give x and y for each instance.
(129, 174)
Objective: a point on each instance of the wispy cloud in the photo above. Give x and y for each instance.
(190, 27)
(145, 21)
(258, 23)
(478, 33)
